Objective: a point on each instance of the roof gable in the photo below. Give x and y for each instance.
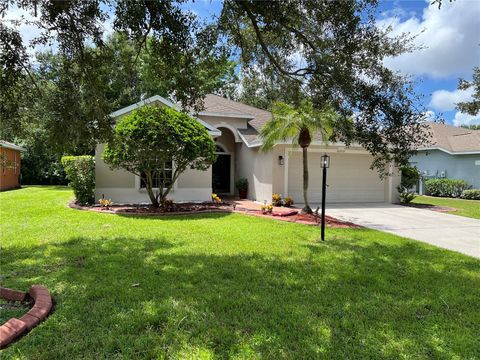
(157, 98)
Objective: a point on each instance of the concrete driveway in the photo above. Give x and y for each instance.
(451, 232)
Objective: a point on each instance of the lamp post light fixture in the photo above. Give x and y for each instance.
(281, 161)
(324, 164)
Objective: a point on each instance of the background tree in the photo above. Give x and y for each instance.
(152, 137)
(158, 48)
(299, 125)
(471, 107)
(335, 50)
(261, 88)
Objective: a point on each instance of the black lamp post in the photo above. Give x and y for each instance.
(325, 164)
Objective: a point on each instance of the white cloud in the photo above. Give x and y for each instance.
(430, 115)
(450, 37)
(465, 119)
(444, 100)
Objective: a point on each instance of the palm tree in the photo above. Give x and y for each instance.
(299, 125)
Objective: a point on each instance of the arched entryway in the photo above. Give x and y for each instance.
(223, 170)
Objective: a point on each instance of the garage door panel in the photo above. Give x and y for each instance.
(349, 178)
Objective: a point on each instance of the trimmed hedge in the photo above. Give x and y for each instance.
(446, 187)
(472, 194)
(81, 174)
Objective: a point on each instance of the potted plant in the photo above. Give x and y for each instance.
(242, 186)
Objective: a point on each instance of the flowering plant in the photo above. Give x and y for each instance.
(216, 198)
(106, 203)
(267, 209)
(277, 199)
(288, 201)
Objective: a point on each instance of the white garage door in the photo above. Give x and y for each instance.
(349, 178)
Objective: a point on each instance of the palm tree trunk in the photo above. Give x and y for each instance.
(306, 208)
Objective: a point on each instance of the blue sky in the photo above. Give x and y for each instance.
(449, 39)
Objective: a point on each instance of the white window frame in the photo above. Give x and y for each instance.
(15, 162)
(138, 182)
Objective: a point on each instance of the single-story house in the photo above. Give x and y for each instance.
(235, 128)
(452, 152)
(9, 165)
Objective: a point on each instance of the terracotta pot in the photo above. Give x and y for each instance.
(242, 193)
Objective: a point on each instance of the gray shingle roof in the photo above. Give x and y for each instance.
(217, 104)
(453, 139)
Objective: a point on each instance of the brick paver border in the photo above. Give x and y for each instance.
(15, 328)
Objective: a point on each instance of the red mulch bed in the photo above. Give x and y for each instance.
(145, 210)
(208, 207)
(305, 219)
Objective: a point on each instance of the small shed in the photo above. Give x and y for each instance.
(9, 165)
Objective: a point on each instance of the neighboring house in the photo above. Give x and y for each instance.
(453, 153)
(9, 165)
(235, 128)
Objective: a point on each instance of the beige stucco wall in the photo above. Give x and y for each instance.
(234, 123)
(124, 187)
(105, 177)
(227, 139)
(256, 167)
(191, 178)
(278, 171)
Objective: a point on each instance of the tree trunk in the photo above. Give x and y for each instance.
(306, 208)
(151, 195)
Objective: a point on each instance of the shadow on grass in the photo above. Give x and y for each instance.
(343, 300)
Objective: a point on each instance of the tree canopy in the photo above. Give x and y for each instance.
(329, 51)
(159, 143)
(335, 50)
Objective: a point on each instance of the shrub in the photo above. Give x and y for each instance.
(105, 203)
(446, 187)
(80, 172)
(472, 194)
(168, 205)
(241, 184)
(288, 201)
(276, 200)
(406, 197)
(410, 177)
(267, 209)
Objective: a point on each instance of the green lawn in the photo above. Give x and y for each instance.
(231, 286)
(469, 208)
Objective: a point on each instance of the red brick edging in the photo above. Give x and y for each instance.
(14, 328)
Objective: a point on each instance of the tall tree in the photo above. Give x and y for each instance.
(299, 125)
(163, 48)
(335, 50)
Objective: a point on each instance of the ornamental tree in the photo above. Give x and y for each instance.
(151, 138)
(298, 125)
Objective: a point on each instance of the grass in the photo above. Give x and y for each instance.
(231, 286)
(469, 208)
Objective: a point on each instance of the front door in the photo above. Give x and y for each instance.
(221, 174)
